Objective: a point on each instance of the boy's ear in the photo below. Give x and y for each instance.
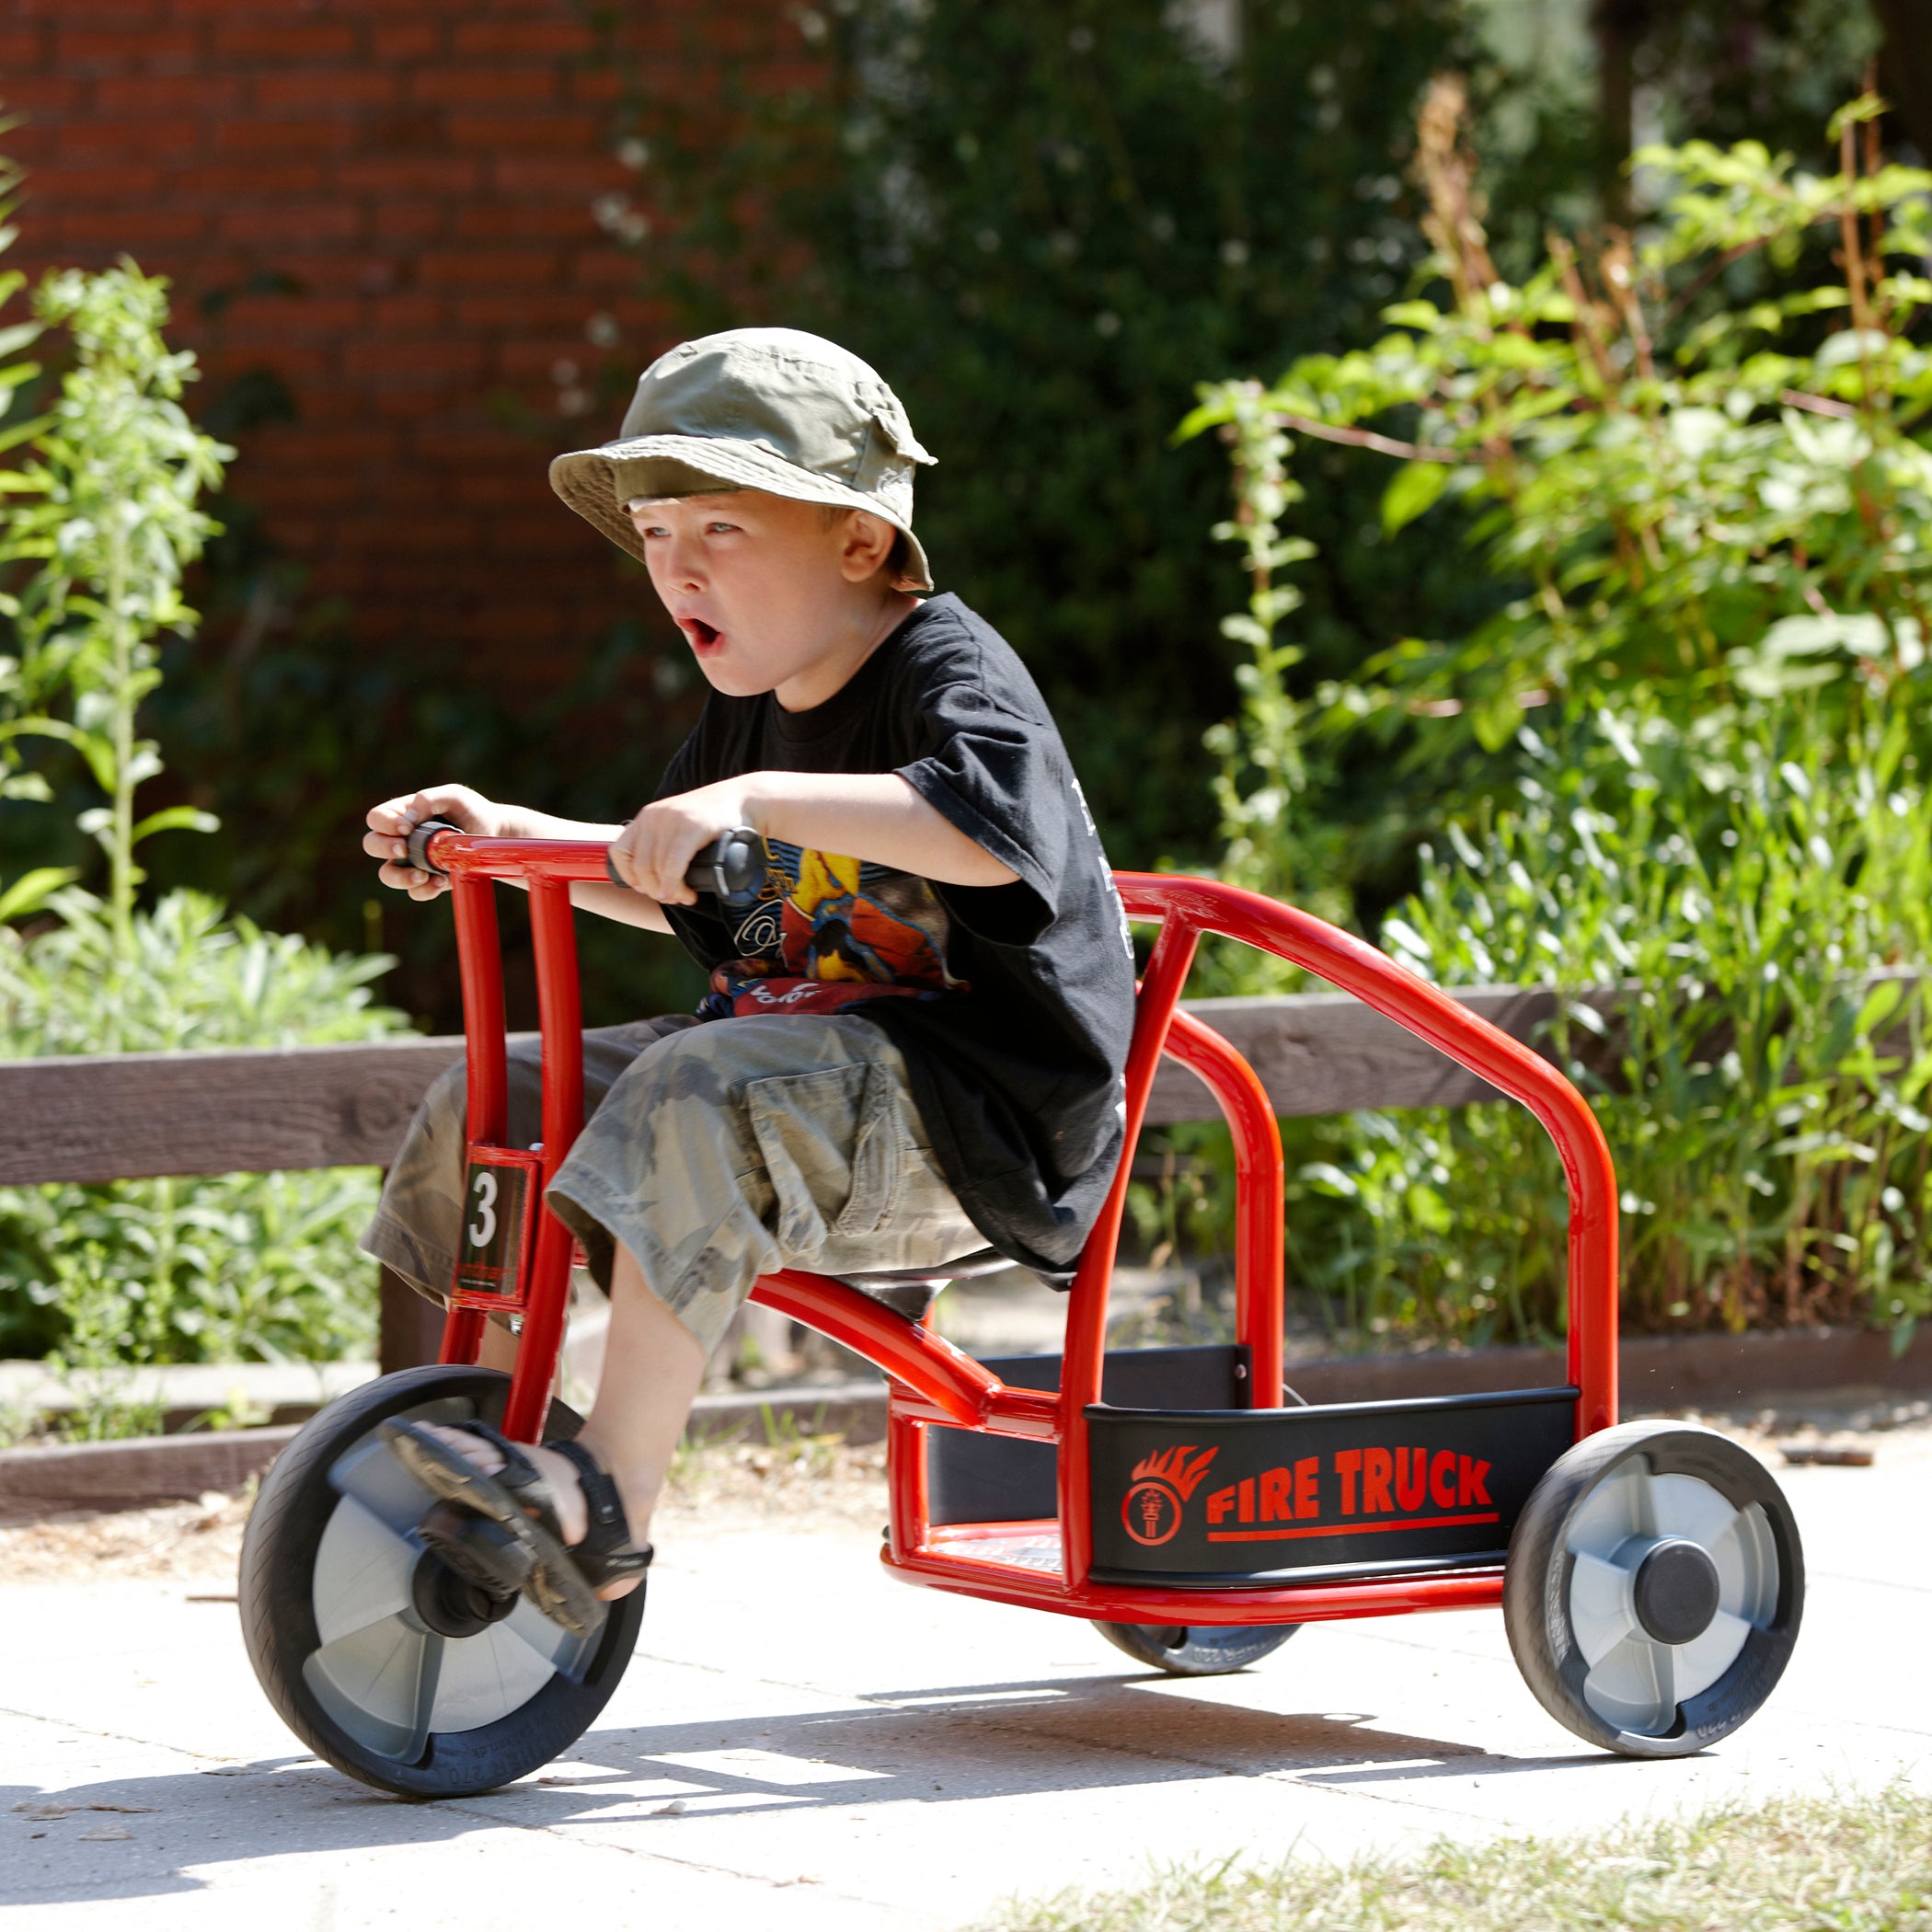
(864, 546)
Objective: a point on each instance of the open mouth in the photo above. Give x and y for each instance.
(703, 636)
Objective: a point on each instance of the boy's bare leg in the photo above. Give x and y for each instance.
(653, 1365)
(500, 1347)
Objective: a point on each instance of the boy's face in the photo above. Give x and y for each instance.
(762, 589)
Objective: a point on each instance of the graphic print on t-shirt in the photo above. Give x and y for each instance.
(830, 930)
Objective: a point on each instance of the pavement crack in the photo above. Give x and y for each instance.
(118, 1737)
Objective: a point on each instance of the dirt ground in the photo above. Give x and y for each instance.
(814, 1479)
(804, 1482)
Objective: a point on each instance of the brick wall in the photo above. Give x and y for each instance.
(420, 178)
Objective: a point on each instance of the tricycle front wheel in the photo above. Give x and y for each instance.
(1198, 1650)
(378, 1657)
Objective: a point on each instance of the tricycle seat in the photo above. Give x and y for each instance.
(982, 1260)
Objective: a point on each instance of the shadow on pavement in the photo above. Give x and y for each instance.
(929, 1745)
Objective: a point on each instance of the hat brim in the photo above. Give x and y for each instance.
(598, 483)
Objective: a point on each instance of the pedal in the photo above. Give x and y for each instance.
(479, 1550)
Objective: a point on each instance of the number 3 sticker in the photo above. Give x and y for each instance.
(496, 1234)
(483, 1229)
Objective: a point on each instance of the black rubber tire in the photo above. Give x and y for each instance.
(276, 1601)
(1198, 1650)
(1536, 1590)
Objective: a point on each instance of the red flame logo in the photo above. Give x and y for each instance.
(1173, 1466)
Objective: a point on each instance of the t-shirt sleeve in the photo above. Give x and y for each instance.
(1002, 779)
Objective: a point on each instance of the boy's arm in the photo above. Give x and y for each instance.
(391, 823)
(874, 816)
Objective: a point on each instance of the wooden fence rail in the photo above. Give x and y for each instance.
(132, 1116)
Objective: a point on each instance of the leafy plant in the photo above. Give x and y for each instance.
(196, 978)
(97, 526)
(1681, 757)
(1272, 842)
(1762, 1080)
(1709, 501)
(104, 511)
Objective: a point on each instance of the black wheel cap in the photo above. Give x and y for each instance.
(1675, 1589)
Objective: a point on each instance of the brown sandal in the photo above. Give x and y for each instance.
(502, 1532)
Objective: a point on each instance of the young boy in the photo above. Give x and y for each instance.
(914, 1042)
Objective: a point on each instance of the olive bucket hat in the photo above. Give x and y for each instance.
(754, 409)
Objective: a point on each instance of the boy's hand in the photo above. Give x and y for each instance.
(655, 850)
(391, 823)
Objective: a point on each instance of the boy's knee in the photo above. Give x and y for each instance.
(448, 1093)
(445, 1102)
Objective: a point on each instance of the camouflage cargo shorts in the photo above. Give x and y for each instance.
(714, 1152)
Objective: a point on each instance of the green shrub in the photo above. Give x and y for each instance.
(1692, 488)
(98, 524)
(242, 1267)
(103, 513)
(1762, 1083)
(1683, 756)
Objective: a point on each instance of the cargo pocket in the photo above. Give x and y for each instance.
(830, 1141)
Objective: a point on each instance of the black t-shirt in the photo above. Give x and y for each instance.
(1013, 1004)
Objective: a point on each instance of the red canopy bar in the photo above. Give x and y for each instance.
(1206, 905)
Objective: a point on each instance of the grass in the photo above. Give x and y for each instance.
(1798, 1865)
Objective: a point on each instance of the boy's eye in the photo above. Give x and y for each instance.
(719, 528)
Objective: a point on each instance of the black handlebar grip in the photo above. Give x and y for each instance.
(420, 843)
(734, 867)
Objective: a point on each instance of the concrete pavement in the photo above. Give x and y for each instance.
(803, 1743)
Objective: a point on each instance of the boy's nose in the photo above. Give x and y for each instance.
(686, 567)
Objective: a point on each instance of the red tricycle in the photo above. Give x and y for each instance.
(1185, 1501)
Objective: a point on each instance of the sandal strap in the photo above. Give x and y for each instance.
(606, 1551)
(519, 1474)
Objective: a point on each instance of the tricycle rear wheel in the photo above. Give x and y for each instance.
(1198, 1650)
(378, 1658)
(1655, 1588)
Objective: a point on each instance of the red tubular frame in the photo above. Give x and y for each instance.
(1259, 1235)
(934, 1384)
